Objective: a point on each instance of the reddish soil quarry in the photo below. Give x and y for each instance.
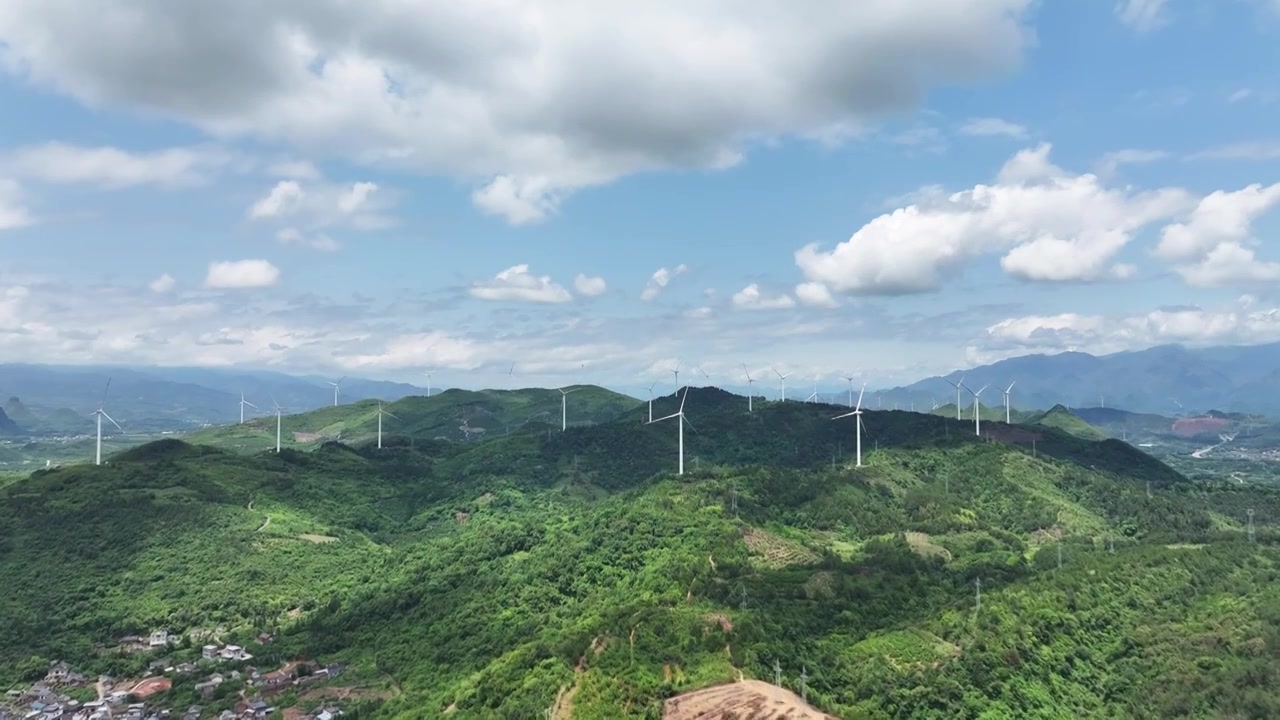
(150, 687)
(747, 700)
(1190, 427)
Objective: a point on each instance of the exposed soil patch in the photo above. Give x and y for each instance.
(1190, 427)
(318, 539)
(151, 686)
(305, 437)
(772, 551)
(345, 693)
(751, 699)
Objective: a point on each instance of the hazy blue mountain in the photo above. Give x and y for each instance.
(62, 397)
(1167, 380)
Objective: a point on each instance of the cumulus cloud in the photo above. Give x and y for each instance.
(528, 95)
(518, 284)
(815, 294)
(1212, 247)
(240, 274)
(589, 286)
(1141, 15)
(162, 284)
(113, 168)
(1052, 225)
(659, 280)
(319, 241)
(1112, 161)
(282, 199)
(752, 297)
(1100, 334)
(990, 127)
(1238, 95)
(13, 214)
(1256, 150)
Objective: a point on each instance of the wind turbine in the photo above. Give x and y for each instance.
(511, 380)
(676, 372)
(382, 412)
(101, 412)
(1006, 392)
(335, 384)
(564, 405)
(278, 409)
(977, 416)
(750, 381)
(428, 374)
(857, 430)
(651, 401)
(679, 415)
(813, 397)
(957, 386)
(850, 379)
(244, 402)
(705, 376)
(782, 379)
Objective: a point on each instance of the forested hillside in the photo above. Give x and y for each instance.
(496, 578)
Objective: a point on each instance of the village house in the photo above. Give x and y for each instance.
(209, 652)
(159, 638)
(234, 652)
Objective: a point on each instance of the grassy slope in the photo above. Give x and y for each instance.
(1061, 418)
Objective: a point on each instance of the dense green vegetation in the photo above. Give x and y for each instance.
(489, 576)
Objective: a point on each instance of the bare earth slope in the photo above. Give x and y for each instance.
(744, 700)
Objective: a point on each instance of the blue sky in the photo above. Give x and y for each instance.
(900, 189)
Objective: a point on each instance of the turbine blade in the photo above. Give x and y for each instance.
(685, 420)
(684, 397)
(105, 388)
(658, 420)
(848, 414)
(860, 392)
(113, 422)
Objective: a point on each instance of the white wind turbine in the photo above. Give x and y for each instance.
(243, 403)
(977, 415)
(680, 418)
(100, 413)
(511, 377)
(1006, 392)
(335, 384)
(428, 374)
(651, 401)
(705, 376)
(850, 379)
(564, 407)
(856, 414)
(813, 397)
(278, 411)
(676, 371)
(957, 386)
(750, 381)
(382, 412)
(782, 380)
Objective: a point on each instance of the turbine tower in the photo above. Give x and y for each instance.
(382, 412)
(244, 402)
(750, 381)
(428, 374)
(813, 397)
(957, 386)
(680, 418)
(977, 416)
(564, 407)
(335, 384)
(100, 413)
(651, 401)
(782, 380)
(676, 371)
(857, 428)
(1006, 392)
(278, 409)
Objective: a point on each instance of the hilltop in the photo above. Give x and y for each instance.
(500, 576)
(1062, 418)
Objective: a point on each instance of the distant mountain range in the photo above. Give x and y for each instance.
(1167, 380)
(52, 398)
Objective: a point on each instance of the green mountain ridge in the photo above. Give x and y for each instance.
(489, 577)
(1062, 418)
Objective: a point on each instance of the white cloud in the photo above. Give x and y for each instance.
(516, 283)
(113, 168)
(1052, 225)
(13, 214)
(163, 284)
(1141, 15)
(1112, 161)
(659, 280)
(241, 274)
(589, 286)
(1238, 95)
(988, 127)
(527, 94)
(752, 298)
(359, 205)
(1210, 248)
(294, 170)
(1100, 334)
(815, 294)
(283, 199)
(356, 197)
(521, 200)
(294, 236)
(1259, 150)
